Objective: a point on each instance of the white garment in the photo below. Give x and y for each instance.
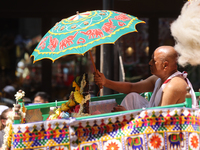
(135, 101)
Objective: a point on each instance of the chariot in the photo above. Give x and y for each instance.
(161, 128)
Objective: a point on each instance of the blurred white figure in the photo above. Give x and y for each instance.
(186, 31)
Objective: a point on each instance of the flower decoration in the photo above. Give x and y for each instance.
(78, 97)
(71, 103)
(58, 111)
(156, 141)
(19, 95)
(74, 84)
(75, 106)
(8, 131)
(59, 148)
(83, 83)
(87, 98)
(194, 141)
(52, 117)
(64, 107)
(113, 145)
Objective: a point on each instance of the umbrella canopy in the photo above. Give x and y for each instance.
(79, 33)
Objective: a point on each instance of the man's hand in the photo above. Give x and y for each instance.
(99, 79)
(118, 108)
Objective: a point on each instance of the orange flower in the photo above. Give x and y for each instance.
(59, 148)
(112, 146)
(194, 141)
(156, 141)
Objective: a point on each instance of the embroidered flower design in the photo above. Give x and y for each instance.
(194, 141)
(113, 145)
(156, 141)
(59, 148)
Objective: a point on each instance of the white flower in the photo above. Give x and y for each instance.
(83, 83)
(87, 97)
(19, 95)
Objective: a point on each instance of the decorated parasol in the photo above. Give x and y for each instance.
(83, 31)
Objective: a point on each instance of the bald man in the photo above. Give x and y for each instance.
(167, 84)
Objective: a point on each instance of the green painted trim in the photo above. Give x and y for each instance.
(129, 111)
(45, 116)
(17, 121)
(45, 105)
(197, 93)
(118, 97)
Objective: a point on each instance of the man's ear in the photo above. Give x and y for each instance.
(165, 64)
(3, 121)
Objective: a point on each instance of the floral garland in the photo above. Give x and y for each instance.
(8, 131)
(7, 139)
(78, 95)
(74, 106)
(84, 100)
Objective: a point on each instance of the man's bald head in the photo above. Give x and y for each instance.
(167, 53)
(163, 62)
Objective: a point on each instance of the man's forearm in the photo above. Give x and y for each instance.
(122, 87)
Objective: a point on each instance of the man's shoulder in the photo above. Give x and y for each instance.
(179, 79)
(177, 82)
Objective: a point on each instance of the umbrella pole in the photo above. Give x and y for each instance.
(92, 61)
(100, 86)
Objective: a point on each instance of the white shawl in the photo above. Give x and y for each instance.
(158, 90)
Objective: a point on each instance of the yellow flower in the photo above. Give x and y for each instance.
(64, 107)
(78, 97)
(71, 103)
(58, 111)
(10, 135)
(77, 88)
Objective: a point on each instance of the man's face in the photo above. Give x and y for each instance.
(3, 120)
(155, 64)
(38, 99)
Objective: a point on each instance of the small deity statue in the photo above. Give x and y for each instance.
(78, 97)
(78, 103)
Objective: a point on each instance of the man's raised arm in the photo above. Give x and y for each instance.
(146, 85)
